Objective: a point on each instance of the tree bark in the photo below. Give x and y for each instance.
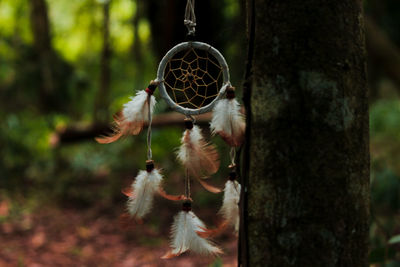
(306, 178)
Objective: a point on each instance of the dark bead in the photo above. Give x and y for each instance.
(232, 175)
(188, 124)
(230, 93)
(187, 206)
(149, 165)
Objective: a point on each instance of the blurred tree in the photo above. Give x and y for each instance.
(42, 43)
(50, 78)
(103, 93)
(137, 44)
(306, 155)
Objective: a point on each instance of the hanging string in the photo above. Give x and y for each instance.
(190, 17)
(190, 117)
(150, 90)
(187, 184)
(233, 165)
(233, 155)
(187, 176)
(149, 153)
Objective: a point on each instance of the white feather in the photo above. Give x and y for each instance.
(134, 114)
(186, 153)
(136, 109)
(184, 235)
(143, 189)
(230, 204)
(196, 155)
(228, 121)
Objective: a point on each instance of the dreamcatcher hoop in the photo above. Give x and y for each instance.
(187, 46)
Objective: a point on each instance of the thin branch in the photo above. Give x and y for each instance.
(84, 132)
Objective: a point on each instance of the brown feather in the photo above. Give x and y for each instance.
(127, 192)
(109, 139)
(170, 255)
(199, 157)
(209, 187)
(121, 127)
(209, 158)
(206, 233)
(232, 140)
(170, 197)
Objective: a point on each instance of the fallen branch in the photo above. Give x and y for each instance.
(82, 132)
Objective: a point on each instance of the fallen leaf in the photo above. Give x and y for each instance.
(4, 208)
(38, 239)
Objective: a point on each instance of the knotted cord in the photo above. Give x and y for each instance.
(187, 177)
(187, 184)
(149, 153)
(150, 119)
(233, 155)
(190, 17)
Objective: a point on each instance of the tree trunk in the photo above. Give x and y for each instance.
(306, 164)
(42, 42)
(102, 100)
(137, 43)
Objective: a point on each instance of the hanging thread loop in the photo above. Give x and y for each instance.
(190, 17)
(150, 90)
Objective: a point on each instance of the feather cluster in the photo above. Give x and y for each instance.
(229, 211)
(228, 121)
(144, 187)
(230, 204)
(132, 118)
(199, 157)
(185, 236)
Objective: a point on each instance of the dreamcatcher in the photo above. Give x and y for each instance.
(193, 78)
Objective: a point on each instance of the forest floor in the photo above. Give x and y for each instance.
(54, 236)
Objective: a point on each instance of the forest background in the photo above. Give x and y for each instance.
(67, 65)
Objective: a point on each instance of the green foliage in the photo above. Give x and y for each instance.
(385, 180)
(385, 119)
(385, 190)
(27, 129)
(394, 239)
(216, 263)
(381, 254)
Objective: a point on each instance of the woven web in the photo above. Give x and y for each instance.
(193, 78)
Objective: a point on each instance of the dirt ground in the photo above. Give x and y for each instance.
(82, 237)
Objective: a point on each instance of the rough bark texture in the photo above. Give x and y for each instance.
(308, 173)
